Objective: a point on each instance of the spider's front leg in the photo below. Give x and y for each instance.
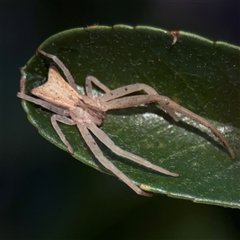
(105, 162)
(108, 164)
(114, 100)
(103, 137)
(88, 85)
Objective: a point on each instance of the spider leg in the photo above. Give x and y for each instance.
(58, 130)
(105, 162)
(126, 102)
(43, 104)
(166, 103)
(103, 137)
(88, 85)
(202, 121)
(152, 94)
(132, 101)
(66, 72)
(125, 90)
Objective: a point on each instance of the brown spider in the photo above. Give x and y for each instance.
(88, 112)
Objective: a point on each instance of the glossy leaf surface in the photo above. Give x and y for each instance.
(200, 75)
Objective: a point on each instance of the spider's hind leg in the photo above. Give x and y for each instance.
(61, 65)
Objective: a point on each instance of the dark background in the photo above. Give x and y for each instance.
(45, 193)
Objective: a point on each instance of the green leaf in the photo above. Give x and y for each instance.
(199, 74)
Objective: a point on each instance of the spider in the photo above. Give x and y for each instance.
(88, 113)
